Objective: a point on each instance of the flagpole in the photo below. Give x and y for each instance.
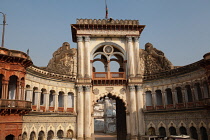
(106, 9)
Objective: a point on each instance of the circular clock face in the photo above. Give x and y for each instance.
(108, 49)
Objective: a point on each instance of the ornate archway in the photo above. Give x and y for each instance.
(114, 116)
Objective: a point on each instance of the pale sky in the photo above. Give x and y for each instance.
(180, 28)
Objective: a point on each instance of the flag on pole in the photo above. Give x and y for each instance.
(106, 17)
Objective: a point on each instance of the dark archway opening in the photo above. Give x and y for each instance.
(203, 133)
(162, 131)
(121, 128)
(10, 137)
(193, 132)
(172, 130)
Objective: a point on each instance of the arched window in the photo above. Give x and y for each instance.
(206, 89)
(60, 134)
(203, 133)
(70, 102)
(32, 136)
(149, 98)
(162, 131)
(42, 96)
(1, 79)
(198, 91)
(60, 99)
(151, 131)
(189, 93)
(12, 87)
(169, 97)
(193, 132)
(50, 135)
(183, 130)
(41, 135)
(172, 130)
(179, 95)
(10, 137)
(100, 63)
(159, 100)
(69, 134)
(24, 136)
(114, 64)
(35, 89)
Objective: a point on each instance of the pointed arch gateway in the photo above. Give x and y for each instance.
(114, 115)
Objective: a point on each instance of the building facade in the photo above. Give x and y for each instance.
(151, 96)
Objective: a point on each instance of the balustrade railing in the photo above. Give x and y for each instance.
(108, 75)
(180, 106)
(14, 104)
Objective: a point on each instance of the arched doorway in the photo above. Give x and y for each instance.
(172, 130)
(203, 133)
(50, 135)
(162, 131)
(114, 116)
(41, 135)
(193, 132)
(10, 137)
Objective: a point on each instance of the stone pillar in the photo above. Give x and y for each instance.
(87, 113)
(130, 58)
(174, 97)
(133, 114)
(154, 99)
(164, 98)
(183, 95)
(193, 93)
(46, 100)
(17, 92)
(65, 102)
(80, 113)
(80, 57)
(87, 57)
(128, 125)
(55, 101)
(75, 103)
(37, 99)
(5, 89)
(136, 56)
(29, 93)
(139, 97)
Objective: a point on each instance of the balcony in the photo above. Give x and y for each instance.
(14, 106)
(108, 75)
(109, 78)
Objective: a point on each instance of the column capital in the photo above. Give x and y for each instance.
(136, 39)
(79, 38)
(139, 87)
(129, 38)
(79, 88)
(87, 88)
(131, 88)
(87, 38)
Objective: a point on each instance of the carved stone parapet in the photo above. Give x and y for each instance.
(107, 21)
